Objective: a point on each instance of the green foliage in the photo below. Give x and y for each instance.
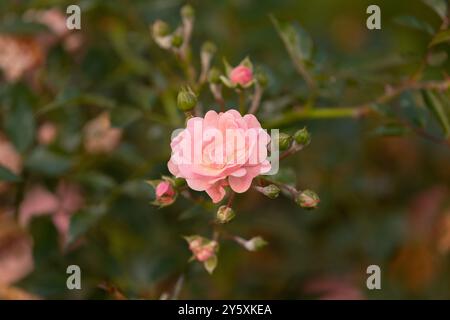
(375, 102)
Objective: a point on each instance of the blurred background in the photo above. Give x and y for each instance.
(86, 118)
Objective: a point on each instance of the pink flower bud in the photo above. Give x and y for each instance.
(241, 75)
(165, 194)
(205, 252)
(202, 249)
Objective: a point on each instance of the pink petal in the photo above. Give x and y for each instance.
(38, 201)
(216, 192)
(173, 169)
(240, 184)
(239, 173)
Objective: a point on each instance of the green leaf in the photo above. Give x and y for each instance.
(439, 6)
(211, 264)
(8, 175)
(48, 162)
(414, 23)
(19, 120)
(436, 106)
(83, 221)
(440, 37)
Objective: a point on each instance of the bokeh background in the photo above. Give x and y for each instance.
(86, 118)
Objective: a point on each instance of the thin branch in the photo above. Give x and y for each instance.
(357, 111)
(256, 101)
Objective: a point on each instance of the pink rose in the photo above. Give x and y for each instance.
(241, 75)
(218, 150)
(165, 194)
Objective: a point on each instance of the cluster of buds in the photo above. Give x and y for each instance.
(204, 250)
(299, 139)
(165, 193)
(178, 40)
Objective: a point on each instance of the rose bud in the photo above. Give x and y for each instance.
(209, 48)
(225, 214)
(177, 40)
(271, 191)
(253, 244)
(308, 199)
(284, 141)
(160, 29)
(302, 137)
(165, 194)
(214, 75)
(206, 252)
(202, 248)
(187, 12)
(186, 99)
(241, 75)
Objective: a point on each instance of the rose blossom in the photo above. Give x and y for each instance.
(241, 75)
(219, 160)
(165, 194)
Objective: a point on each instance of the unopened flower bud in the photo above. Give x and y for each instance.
(225, 214)
(209, 47)
(302, 137)
(271, 191)
(284, 141)
(308, 199)
(186, 100)
(241, 75)
(160, 29)
(165, 193)
(202, 248)
(214, 75)
(177, 40)
(187, 12)
(254, 244)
